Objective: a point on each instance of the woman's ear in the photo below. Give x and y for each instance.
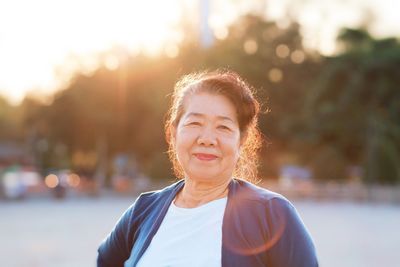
(172, 134)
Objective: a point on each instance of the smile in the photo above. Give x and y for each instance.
(205, 157)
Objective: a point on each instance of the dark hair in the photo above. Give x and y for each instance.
(234, 88)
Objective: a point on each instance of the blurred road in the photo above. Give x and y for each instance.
(42, 232)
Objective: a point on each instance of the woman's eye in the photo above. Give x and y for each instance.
(223, 127)
(193, 123)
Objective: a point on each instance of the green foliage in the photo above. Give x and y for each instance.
(354, 105)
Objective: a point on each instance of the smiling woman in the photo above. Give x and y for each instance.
(212, 217)
(199, 131)
(230, 100)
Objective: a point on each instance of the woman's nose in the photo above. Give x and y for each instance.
(207, 137)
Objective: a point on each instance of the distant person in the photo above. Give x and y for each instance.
(214, 216)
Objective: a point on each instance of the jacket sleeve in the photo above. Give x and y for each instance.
(115, 249)
(294, 246)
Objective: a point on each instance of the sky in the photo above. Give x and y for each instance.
(44, 42)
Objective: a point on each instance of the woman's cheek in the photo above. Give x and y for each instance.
(185, 139)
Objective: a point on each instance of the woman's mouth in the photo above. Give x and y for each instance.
(205, 157)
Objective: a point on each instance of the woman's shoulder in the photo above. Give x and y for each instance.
(253, 197)
(280, 221)
(248, 191)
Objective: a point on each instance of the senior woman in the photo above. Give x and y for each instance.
(213, 216)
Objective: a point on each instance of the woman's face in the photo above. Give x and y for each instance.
(207, 137)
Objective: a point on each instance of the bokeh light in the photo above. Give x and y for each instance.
(297, 56)
(250, 46)
(221, 33)
(275, 75)
(51, 180)
(73, 180)
(282, 51)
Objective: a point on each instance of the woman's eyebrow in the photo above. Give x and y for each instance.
(196, 114)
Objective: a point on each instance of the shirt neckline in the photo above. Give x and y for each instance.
(210, 204)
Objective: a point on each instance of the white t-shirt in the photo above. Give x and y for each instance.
(188, 237)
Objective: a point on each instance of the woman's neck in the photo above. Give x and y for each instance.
(195, 193)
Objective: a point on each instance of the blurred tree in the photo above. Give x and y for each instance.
(8, 123)
(116, 111)
(33, 130)
(355, 105)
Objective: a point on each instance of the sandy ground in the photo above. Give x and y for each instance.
(43, 232)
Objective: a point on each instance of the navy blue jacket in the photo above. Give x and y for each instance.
(259, 228)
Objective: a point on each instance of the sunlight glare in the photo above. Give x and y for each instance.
(111, 62)
(172, 51)
(43, 42)
(221, 33)
(71, 34)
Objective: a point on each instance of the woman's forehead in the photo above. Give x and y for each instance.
(207, 104)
